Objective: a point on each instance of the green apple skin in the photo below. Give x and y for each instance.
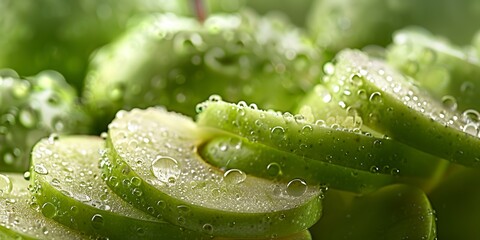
(393, 212)
(270, 163)
(455, 203)
(32, 108)
(444, 69)
(177, 62)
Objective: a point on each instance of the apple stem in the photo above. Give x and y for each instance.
(199, 8)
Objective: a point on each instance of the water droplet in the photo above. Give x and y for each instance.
(21, 90)
(215, 98)
(467, 88)
(137, 192)
(377, 143)
(471, 115)
(58, 124)
(321, 123)
(136, 181)
(28, 117)
(449, 103)
(200, 107)
(329, 68)
(117, 92)
(208, 228)
(234, 176)
(356, 80)
(40, 169)
(242, 104)
(26, 175)
(362, 94)
(74, 209)
(166, 169)
(52, 138)
(223, 147)
(236, 143)
(274, 169)
(277, 133)
(8, 158)
(97, 221)
(296, 188)
(395, 171)
(307, 129)
(181, 220)
(49, 210)
(161, 204)
(5, 185)
(55, 182)
(299, 118)
(471, 128)
(140, 232)
(374, 169)
(375, 97)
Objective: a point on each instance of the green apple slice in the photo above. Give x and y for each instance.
(392, 212)
(296, 135)
(154, 152)
(264, 161)
(69, 188)
(445, 70)
(177, 62)
(21, 218)
(393, 104)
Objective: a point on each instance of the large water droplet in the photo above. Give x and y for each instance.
(40, 169)
(97, 221)
(234, 176)
(277, 133)
(296, 188)
(471, 129)
(375, 97)
(165, 169)
(208, 228)
(471, 115)
(449, 103)
(273, 169)
(49, 210)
